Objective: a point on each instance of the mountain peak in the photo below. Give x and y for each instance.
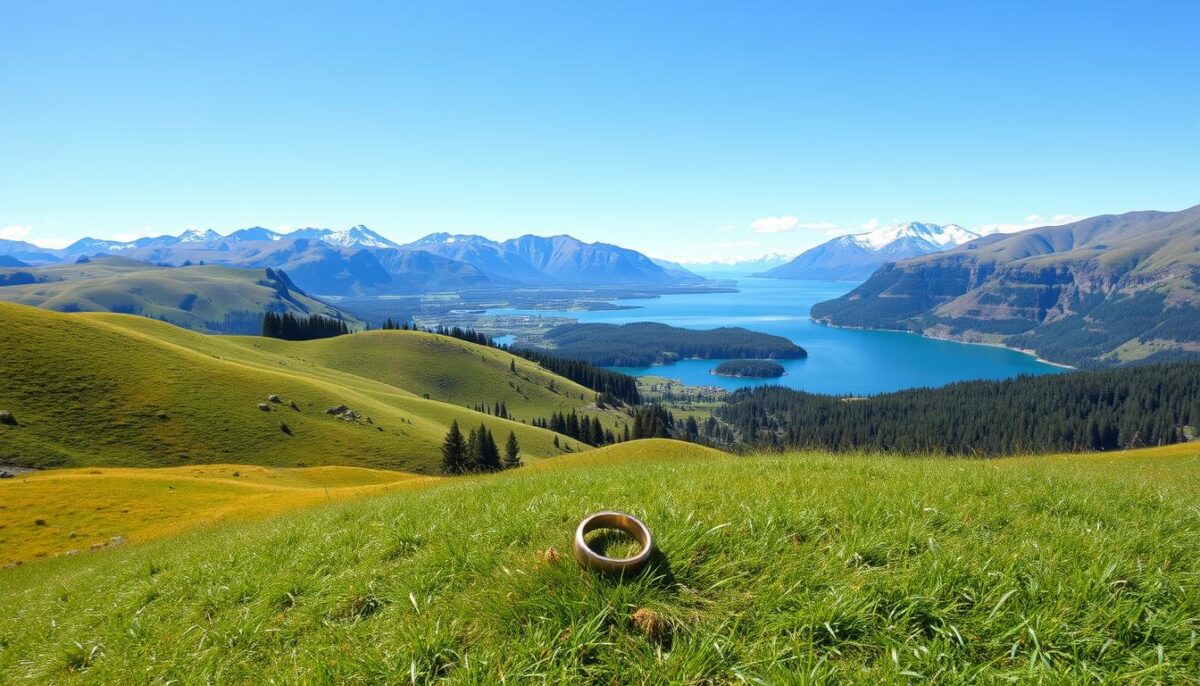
(445, 238)
(357, 236)
(937, 235)
(856, 256)
(198, 236)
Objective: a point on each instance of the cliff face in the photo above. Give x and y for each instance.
(1107, 290)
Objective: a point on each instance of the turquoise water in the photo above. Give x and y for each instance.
(839, 360)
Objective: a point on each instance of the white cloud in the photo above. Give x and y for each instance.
(870, 225)
(1032, 221)
(786, 223)
(774, 224)
(15, 232)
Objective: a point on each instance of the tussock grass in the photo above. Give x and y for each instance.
(773, 569)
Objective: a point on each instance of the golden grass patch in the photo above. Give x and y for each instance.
(55, 512)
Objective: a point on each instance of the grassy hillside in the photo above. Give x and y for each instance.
(68, 511)
(449, 370)
(209, 298)
(116, 390)
(794, 568)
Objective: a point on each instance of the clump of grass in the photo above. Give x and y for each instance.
(773, 569)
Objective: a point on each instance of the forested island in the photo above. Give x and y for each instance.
(644, 343)
(750, 369)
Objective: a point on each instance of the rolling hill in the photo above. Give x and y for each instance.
(856, 256)
(212, 299)
(855, 570)
(1107, 290)
(116, 390)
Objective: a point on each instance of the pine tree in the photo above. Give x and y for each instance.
(489, 452)
(512, 451)
(472, 464)
(454, 451)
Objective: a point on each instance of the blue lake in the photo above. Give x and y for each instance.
(840, 361)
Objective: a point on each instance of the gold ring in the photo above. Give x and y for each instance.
(620, 521)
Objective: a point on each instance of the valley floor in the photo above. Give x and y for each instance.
(775, 568)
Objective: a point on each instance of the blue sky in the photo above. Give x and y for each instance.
(671, 128)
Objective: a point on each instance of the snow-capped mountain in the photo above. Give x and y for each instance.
(938, 236)
(857, 256)
(198, 236)
(741, 265)
(354, 237)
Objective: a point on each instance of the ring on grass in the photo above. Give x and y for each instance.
(620, 521)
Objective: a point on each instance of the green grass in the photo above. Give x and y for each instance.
(773, 569)
(449, 370)
(194, 297)
(118, 390)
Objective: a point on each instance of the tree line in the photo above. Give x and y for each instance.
(581, 428)
(478, 451)
(614, 388)
(1111, 409)
(290, 327)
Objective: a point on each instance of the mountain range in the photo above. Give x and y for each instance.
(1107, 290)
(751, 265)
(856, 256)
(361, 262)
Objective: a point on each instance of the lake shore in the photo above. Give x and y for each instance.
(951, 339)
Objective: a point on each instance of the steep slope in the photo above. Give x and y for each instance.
(1105, 290)
(678, 271)
(106, 389)
(857, 256)
(209, 298)
(488, 256)
(854, 570)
